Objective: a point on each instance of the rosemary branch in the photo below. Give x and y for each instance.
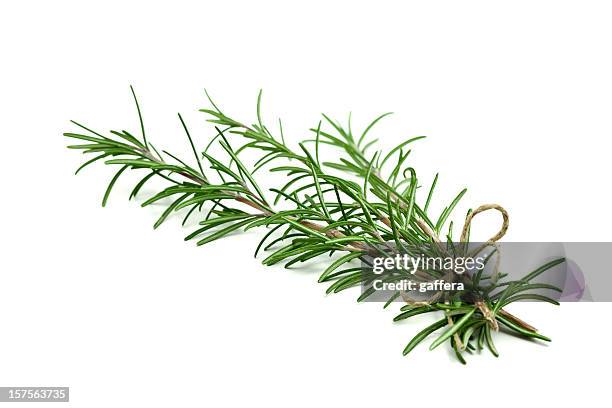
(327, 212)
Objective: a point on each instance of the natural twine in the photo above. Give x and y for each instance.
(464, 236)
(485, 207)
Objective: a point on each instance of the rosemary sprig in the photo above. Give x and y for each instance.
(320, 212)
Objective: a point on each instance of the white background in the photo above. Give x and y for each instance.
(514, 96)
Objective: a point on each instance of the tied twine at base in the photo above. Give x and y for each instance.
(486, 312)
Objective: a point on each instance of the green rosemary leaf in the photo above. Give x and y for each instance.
(504, 295)
(127, 136)
(211, 101)
(391, 299)
(135, 163)
(243, 170)
(370, 126)
(469, 331)
(423, 334)
(304, 229)
(489, 340)
(398, 147)
(272, 231)
(430, 194)
(339, 129)
(203, 229)
(543, 269)
(448, 210)
(268, 158)
(319, 193)
(111, 184)
(338, 274)
(347, 239)
(88, 162)
(259, 110)
(317, 140)
(295, 249)
(369, 144)
(331, 139)
(289, 198)
(532, 286)
(192, 145)
(100, 140)
(458, 354)
(413, 312)
(306, 256)
(144, 137)
(191, 210)
(85, 128)
(284, 237)
(459, 310)
(224, 219)
(347, 223)
(169, 210)
(200, 198)
(169, 192)
(481, 337)
(280, 129)
(140, 184)
(217, 165)
(366, 294)
(223, 232)
(396, 170)
(452, 329)
(529, 296)
(287, 185)
(411, 197)
(527, 287)
(341, 261)
(344, 282)
(342, 167)
(367, 176)
(290, 169)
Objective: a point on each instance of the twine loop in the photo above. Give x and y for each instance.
(485, 207)
(464, 237)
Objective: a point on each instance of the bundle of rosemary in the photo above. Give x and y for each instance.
(359, 206)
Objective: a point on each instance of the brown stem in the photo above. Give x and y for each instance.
(332, 233)
(518, 321)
